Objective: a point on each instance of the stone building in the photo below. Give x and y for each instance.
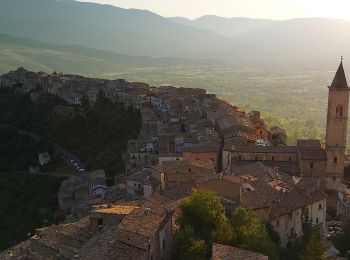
(176, 173)
(274, 196)
(309, 158)
(337, 121)
(149, 228)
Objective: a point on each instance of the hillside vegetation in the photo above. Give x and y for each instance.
(98, 140)
(27, 202)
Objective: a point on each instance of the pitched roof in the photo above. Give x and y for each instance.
(339, 80)
(223, 252)
(260, 171)
(116, 210)
(141, 224)
(265, 149)
(105, 246)
(312, 154)
(144, 176)
(309, 143)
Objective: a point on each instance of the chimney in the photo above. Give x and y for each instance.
(147, 211)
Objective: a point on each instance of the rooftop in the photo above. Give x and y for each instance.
(224, 252)
(339, 81)
(265, 149)
(116, 210)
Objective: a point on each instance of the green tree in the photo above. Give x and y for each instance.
(342, 239)
(188, 246)
(309, 245)
(306, 227)
(313, 249)
(251, 234)
(205, 213)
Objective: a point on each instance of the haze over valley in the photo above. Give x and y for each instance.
(278, 67)
(174, 129)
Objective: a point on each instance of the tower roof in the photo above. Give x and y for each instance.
(339, 80)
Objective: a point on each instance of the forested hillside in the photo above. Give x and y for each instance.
(98, 139)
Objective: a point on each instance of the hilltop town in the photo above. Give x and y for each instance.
(190, 140)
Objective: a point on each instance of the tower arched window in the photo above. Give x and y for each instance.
(339, 111)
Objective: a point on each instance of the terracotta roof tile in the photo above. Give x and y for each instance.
(223, 252)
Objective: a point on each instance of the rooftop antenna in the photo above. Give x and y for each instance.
(341, 58)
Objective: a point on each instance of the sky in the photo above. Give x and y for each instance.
(268, 9)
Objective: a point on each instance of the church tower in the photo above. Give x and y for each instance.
(337, 120)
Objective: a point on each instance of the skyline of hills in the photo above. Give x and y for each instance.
(143, 33)
(37, 55)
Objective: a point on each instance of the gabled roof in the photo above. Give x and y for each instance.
(339, 80)
(224, 252)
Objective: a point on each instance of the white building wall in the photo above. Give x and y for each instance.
(286, 224)
(147, 190)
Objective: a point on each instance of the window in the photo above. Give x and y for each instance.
(273, 158)
(277, 223)
(334, 178)
(163, 244)
(256, 158)
(320, 206)
(311, 165)
(335, 160)
(290, 158)
(339, 111)
(316, 220)
(239, 157)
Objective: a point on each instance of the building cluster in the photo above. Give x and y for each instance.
(276, 197)
(191, 140)
(140, 230)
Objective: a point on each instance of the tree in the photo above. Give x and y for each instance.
(251, 234)
(205, 213)
(188, 246)
(306, 227)
(342, 239)
(313, 249)
(309, 246)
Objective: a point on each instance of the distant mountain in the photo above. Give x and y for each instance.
(242, 41)
(295, 40)
(310, 40)
(127, 31)
(36, 55)
(229, 27)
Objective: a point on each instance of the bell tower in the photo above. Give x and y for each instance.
(337, 120)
